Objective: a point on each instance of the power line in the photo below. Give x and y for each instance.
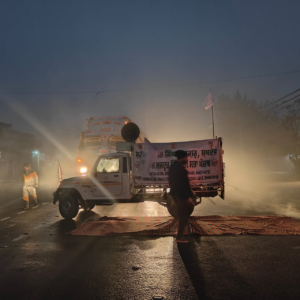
(288, 79)
(287, 101)
(146, 88)
(201, 82)
(282, 78)
(281, 98)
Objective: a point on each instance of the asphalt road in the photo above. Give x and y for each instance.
(39, 261)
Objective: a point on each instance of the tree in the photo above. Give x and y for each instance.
(251, 135)
(290, 122)
(241, 120)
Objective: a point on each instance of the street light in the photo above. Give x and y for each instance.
(37, 154)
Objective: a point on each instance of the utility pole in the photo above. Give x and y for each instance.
(213, 121)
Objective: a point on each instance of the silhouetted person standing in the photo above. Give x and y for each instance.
(181, 192)
(29, 180)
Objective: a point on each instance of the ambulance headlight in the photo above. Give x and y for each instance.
(83, 170)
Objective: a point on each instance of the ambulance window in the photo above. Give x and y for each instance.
(108, 165)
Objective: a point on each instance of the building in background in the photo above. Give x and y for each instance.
(15, 149)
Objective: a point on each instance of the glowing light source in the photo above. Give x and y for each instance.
(83, 170)
(79, 160)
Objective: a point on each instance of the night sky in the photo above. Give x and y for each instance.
(150, 57)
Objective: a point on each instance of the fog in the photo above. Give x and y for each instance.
(263, 183)
(154, 62)
(256, 180)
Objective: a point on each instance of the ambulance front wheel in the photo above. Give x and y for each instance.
(68, 207)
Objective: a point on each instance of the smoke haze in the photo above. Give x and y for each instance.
(155, 62)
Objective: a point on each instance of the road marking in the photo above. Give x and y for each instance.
(22, 212)
(48, 223)
(5, 219)
(35, 207)
(38, 226)
(43, 225)
(21, 236)
(18, 238)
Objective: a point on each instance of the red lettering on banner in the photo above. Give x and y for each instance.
(108, 129)
(106, 122)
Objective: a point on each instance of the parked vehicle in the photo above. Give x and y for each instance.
(139, 172)
(101, 137)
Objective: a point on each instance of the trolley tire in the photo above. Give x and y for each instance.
(175, 210)
(68, 206)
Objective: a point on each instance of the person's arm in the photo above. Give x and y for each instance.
(179, 184)
(22, 179)
(186, 186)
(174, 179)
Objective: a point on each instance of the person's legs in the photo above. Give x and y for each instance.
(25, 198)
(32, 192)
(34, 197)
(182, 223)
(185, 209)
(183, 219)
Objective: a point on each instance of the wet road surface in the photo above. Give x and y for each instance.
(39, 261)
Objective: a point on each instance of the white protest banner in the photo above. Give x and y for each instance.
(151, 167)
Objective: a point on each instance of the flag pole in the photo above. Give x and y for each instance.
(213, 122)
(210, 103)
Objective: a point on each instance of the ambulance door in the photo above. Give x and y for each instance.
(108, 176)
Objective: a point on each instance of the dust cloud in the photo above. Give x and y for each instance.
(259, 182)
(252, 169)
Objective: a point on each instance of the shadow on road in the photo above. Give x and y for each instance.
(65, 226)
(189, 256)
(83, 216)
(212, 273)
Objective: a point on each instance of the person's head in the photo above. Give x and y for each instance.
(181, 156)
(27, 166)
